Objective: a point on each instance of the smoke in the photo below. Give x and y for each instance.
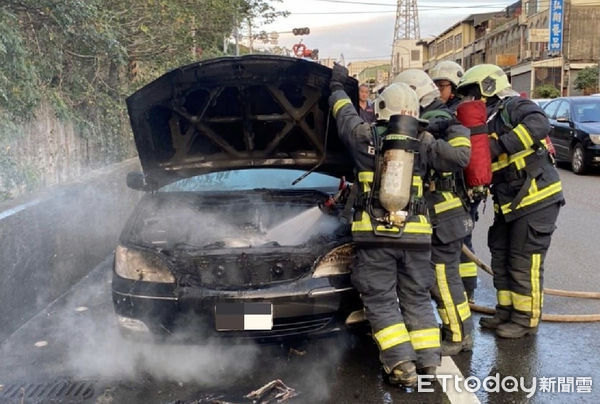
(170, 221)
(97, 350)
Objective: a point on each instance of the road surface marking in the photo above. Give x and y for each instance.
(448, 367)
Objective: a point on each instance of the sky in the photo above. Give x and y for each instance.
(365, 31)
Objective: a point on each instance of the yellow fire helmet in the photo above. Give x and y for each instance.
(491, 80)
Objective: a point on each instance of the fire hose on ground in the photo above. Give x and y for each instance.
(561, 318)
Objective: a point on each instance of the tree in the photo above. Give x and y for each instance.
(587, 80)
(546, 91)
(85, 57)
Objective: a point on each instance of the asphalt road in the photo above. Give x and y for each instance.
(71, 350)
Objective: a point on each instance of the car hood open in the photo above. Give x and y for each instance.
(237, 112)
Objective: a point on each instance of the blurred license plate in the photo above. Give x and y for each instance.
(243, 316)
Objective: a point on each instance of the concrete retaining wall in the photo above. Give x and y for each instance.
(50, 240)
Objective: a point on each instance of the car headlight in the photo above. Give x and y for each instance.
(335, 262)
(141, 266)
(595, 139)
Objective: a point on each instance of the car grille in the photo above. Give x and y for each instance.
(243, 270)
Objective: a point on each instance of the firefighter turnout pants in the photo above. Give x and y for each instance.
(394, 286)
(449, 292)
(518, 250)
(468, 268)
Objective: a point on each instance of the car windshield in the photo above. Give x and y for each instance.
(237, 180)
(588, 111)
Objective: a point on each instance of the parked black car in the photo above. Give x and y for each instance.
(575, 130)
(208, 251)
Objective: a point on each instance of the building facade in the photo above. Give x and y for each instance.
(517, 39)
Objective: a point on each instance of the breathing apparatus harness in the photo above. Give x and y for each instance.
(391, 198)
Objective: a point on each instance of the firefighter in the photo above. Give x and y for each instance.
(446, 75)
(392, 249)
(527, 195)
(447, 209)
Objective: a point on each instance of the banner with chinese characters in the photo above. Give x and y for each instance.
(556, 26)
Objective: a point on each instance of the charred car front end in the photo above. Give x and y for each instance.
(222, 243)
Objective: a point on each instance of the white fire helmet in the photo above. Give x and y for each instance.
(397, 99)
(419, 81)
(447, 70)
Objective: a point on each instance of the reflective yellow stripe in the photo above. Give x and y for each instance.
(451, 202)
(518, 159)
(504, 298)
(533, 187)
(460, 141)
(535, 196)
(418, 228)
(493, 135)
(463, 310)
(442, 284)
(339, 104)
(524, 136)
(536, 304)
(364, 224)
(521, 302)
(391, 336)
(443, 316)
(417, 182)
(467, 269)
(392, 229)
(365, 176)
(426, 338)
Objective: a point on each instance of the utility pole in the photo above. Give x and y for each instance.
(406, 28)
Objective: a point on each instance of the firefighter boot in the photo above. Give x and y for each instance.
(491, 322)
(450, 348)
(514, 330)
(470, 296)
(404, 374)
(427, 371)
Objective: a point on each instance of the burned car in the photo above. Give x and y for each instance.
(228, 239)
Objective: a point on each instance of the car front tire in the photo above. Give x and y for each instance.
(578, 159)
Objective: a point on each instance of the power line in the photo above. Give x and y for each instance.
(343, 12)
(424, 6)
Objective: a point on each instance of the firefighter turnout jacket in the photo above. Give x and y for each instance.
(359, 138)
(524, 177)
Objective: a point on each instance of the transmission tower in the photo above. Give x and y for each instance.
(405, 30)
(407, 20)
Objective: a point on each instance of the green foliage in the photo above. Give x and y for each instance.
(78, 54)
(546, 91)
(587, 80)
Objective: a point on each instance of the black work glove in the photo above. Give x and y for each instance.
(338, 77)
(496, 148)
(438, 126)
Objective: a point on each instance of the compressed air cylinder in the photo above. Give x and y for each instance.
(398, 161)
(396, 179)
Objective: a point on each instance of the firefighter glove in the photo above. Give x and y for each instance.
(338, 77)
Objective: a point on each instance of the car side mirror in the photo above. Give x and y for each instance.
(136, 180)
(563, 119)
